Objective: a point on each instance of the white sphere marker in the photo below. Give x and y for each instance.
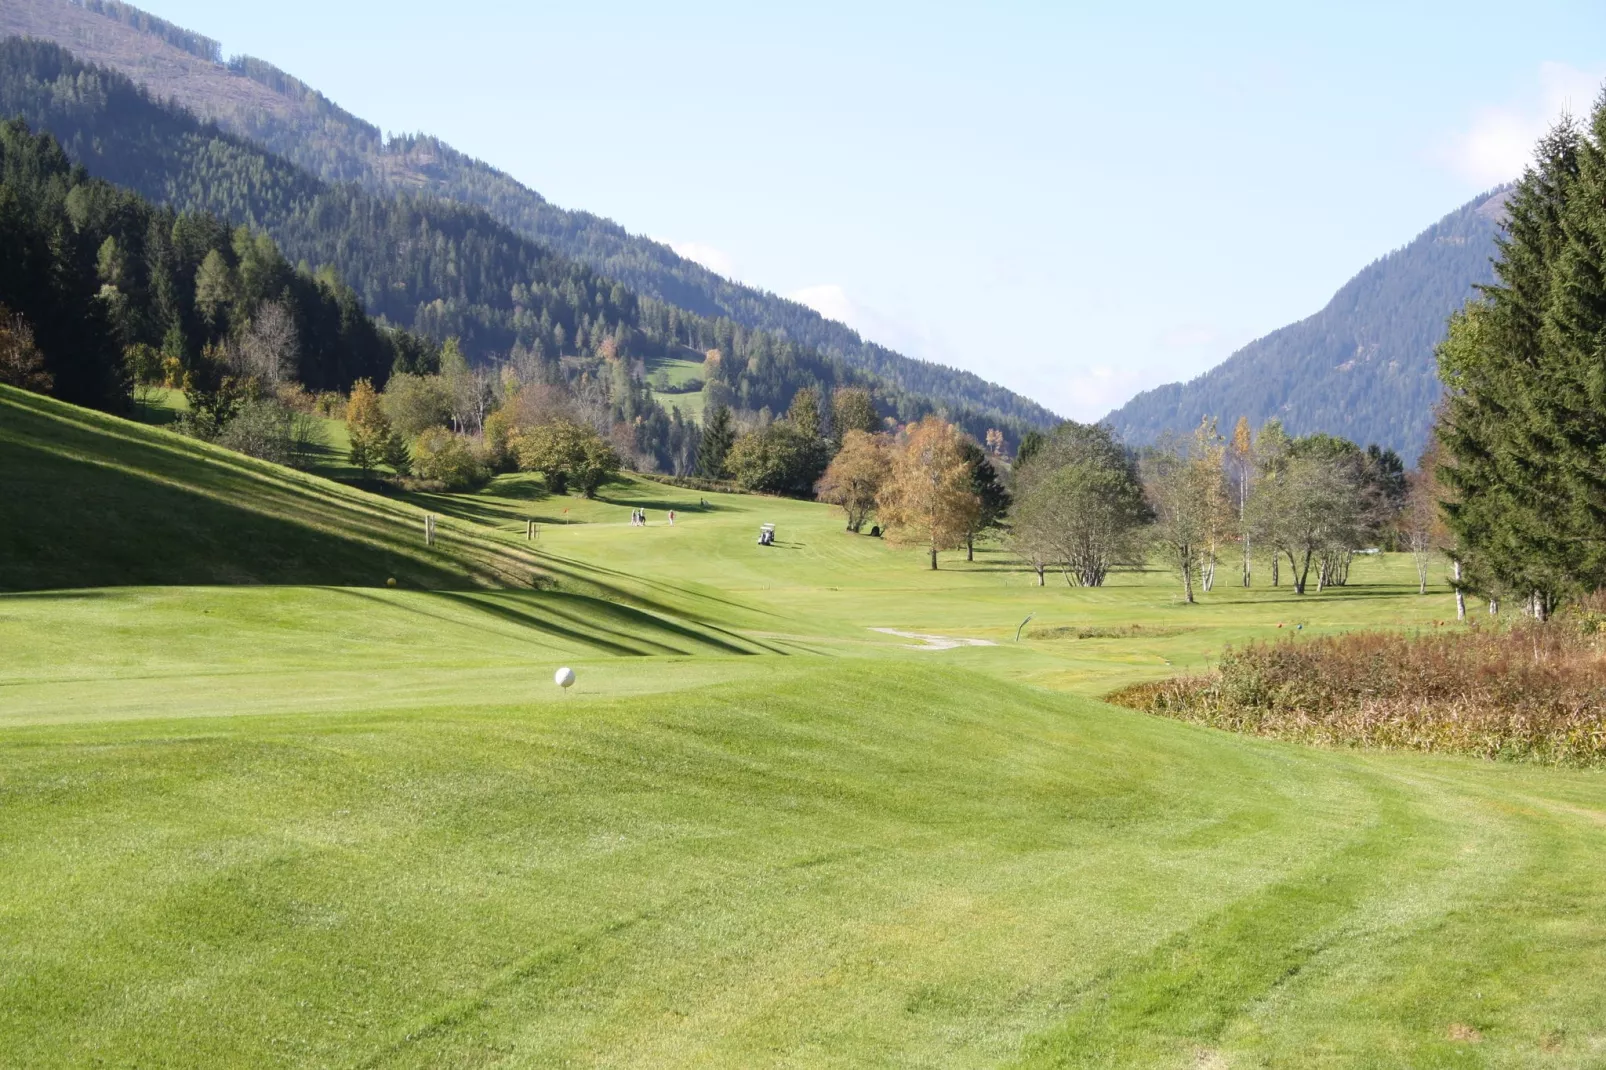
(564, 677)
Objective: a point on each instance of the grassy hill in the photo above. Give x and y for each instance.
(96, 500)
(347, 825)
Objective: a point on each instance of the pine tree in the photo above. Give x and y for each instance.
(718, 436)
(992, 500)
(1518, 421)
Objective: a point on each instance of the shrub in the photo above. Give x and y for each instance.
(269, 430)
(450, 460)
(413, 403)
(1533, 692)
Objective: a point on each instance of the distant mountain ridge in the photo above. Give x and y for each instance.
(1363, 367)
(253, 99)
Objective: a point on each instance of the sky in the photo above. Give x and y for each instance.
(1076, 201)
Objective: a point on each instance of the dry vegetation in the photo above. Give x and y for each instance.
(1532, 692)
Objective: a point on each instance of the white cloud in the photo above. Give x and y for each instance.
(1500, 142)
(716, 260)
(903, 331)
(1091, 392)
(830, 301)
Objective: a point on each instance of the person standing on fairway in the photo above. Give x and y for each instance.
(671, 518)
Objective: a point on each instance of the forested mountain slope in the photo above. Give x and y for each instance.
(433, 265)
(253, 99)
(1363, 367)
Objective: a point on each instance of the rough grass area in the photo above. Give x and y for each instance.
(1531, 692)
(1117, 631)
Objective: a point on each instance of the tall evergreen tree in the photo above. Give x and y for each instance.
(992, 500)
(718, 435)
(1524, 422)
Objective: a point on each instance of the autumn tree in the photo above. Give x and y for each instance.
(855, 476)
(927, 498)
(373, 440)
(1241, 473)
(21, 363)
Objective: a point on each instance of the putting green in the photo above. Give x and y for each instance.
(328, 822)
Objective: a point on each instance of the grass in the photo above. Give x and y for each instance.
(95, 500)
(329, 824)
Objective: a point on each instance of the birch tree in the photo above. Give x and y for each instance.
(1180, 505)
(1241, 473)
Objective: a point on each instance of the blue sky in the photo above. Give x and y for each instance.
(1078, 202)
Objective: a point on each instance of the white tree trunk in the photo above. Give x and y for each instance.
(1460, 595)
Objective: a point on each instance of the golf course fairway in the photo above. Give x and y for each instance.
(260, 808)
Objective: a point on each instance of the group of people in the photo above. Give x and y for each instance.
(638, 518)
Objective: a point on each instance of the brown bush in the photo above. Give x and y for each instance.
(1533, 692)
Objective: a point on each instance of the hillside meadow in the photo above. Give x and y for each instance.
(258, 807)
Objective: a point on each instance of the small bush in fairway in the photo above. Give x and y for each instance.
(1533, 692)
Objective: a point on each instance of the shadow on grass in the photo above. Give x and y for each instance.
(523, 620)
(632, 617)
(586, 576)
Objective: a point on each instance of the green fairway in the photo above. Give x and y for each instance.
(259, 809)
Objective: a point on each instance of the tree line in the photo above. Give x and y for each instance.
(101, 288)
(1080, 503)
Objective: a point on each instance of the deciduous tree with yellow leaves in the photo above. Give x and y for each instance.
(927, 498)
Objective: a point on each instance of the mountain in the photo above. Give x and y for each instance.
(436, 266)
(1363, 367)
(253, 99)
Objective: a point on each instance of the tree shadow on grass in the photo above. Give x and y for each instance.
(627, 616)
(550, 628)
(587, 576)
(78, 523)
